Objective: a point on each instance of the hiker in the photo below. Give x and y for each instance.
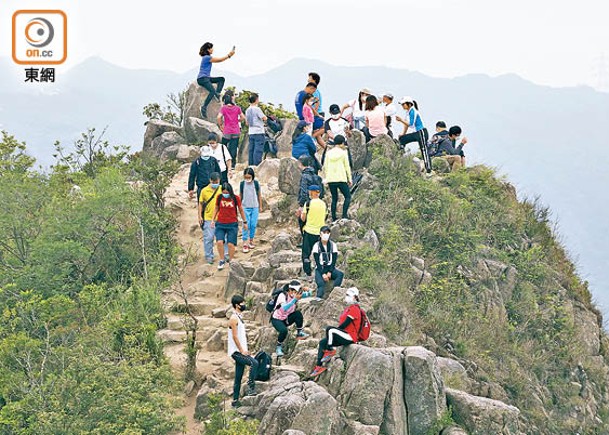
(308, 178)
(391, 111)
(307, 111)
(318, 121)
(443, 144)
(309, 89)
(337, 173)
(222, 155)
(204, 78)
(226, 223)
(376, 121)
(325, 253)
(336, 125)
(229, 120)
(249, 191)
(255, 119)
(238, 350)
(420, 134)
(355, 109)
(314, 216)
(207, 206)
(303, 144)
(286, 314)
(315, 78)
(201, 170)
(345, 334)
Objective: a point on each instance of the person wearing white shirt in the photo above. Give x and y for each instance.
(391, 110)
(222, 155)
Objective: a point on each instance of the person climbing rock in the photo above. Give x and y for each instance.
(251, 199)
(229, 120)
(313, 215)
(201, 170)
(345, 334)
(207, 206)
(286, 313)
(255, 119)
(204, 78)
(325, 253)
(228, 206)
(337, 173)
(238, 350)
(419, 135)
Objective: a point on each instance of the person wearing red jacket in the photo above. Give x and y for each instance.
(345, 334)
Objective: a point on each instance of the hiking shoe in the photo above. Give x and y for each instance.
(301, 335)
(246, 249)
(279, 351)
(251, 390)
(221, 264)
(235, 404)
(318, 370)
(251, 245)
(328, 354)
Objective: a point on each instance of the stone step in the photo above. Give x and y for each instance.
(265, 219)
(176, 322)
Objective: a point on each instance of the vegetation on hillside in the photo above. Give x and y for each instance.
(525, 343)
(84, 252)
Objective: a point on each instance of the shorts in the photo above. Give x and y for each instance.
(317, 123)
(228, 231)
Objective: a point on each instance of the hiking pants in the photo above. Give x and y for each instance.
(232, 143)
(308, 240)
(337, 276)
(455, 162)
(282, 325)
(209, 234)
(240, 362)
(344, 189)
(334, 337)
(251, 217)
(206, 82)
(421, 136)
(256, 149)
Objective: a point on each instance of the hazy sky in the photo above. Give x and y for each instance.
(548, 42)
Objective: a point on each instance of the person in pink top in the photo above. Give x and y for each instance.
(286, 314)
(229, 120)
(307, 110)
(376, 120)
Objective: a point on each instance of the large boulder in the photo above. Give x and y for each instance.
(164, 140)
(197, 130)
(268, 171)
(182, 153)
(289, 176)
(155, 128)
(237, 280)
(195, 95)
(358, 148)
(423, 389)
(284, 141)
(479, 415)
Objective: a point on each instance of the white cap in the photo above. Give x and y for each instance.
(406, 99)
(205, 150)
(352, 291)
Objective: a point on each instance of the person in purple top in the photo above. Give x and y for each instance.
(204, 78)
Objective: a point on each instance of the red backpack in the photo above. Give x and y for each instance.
(364, 327)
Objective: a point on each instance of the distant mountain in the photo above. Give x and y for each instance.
(550, 142)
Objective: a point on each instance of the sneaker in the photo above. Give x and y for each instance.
(246, 249)
(328, 354)
(251, 245)
(251, 390)
(210, 261)
(221, 264)
(301, 335)
(279, 351)
(235, 404)
(318, 370)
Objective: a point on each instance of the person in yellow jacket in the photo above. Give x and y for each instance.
(337, 172)
(207, 205)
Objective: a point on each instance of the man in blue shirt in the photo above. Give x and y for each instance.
(310, 88)
(318, 121)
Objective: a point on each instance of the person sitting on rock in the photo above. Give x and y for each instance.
(201, 170)
(204, 78)
(376, 120)
(286, 314)
(229, 120)
(303, 144)
(345, 334)
(318, 120)
(354, 109)
(337, 172)
(307, 111)
(325, 253)
(222, 155)
(249, 191)
(238, 350)
(314, 216)
(308, 178)
(228, 205)
(207, 206)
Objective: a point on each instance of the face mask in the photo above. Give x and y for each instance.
(242, 307)
(325, 237)
(205, 152)
(214, 185)
(349, 300)
(248, 180)
(226, 195)
(205, 157)
(336, 117)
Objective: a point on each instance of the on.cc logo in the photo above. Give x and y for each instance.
(39, 32)
(40, 37)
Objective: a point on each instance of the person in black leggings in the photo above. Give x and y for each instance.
(420, 135)
(204, 78)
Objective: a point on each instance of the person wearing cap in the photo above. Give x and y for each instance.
(336, 125)
(420, 134)
(201, 170)
(345, 334)
(391, 111)
(229, 120)
(308, 177)
(337, 173)
(325, 253)
(314, 217)
(221, 154)
(255, 119)
(376, 121)
(286, 313)
(303, 144)
(355, 109)
(444, 144)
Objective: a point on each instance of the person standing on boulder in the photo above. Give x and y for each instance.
(255, 119)
(325, 253)
(337, 172)
(286, 314)
(228, 206)
(420, 135)
(201, 170)
(221, 154)
(229, 120)
(204, 78)
(345, 334)
(249, 191)
(314, 216)
(238, 350)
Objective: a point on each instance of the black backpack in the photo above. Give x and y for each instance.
(274, 124)
(271, 305)
(264, 366)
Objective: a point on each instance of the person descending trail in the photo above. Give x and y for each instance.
(229, 120)
(221, 154)
(420, 134)
(337, 172)
(238, 350)
(314, 216)
(345, 334)
(207, 206)
(308, 178)
(201, 170)
(325, 253)
(286, 314)
(226, 222)
(204, 78)
(249, 191)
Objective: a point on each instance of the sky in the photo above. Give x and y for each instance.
(556, 43)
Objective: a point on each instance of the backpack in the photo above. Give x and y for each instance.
(264, 366)
(270, 145)
(271, 305)
(256, 185)
(364, 327)
(274, 124)
(433, 146)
